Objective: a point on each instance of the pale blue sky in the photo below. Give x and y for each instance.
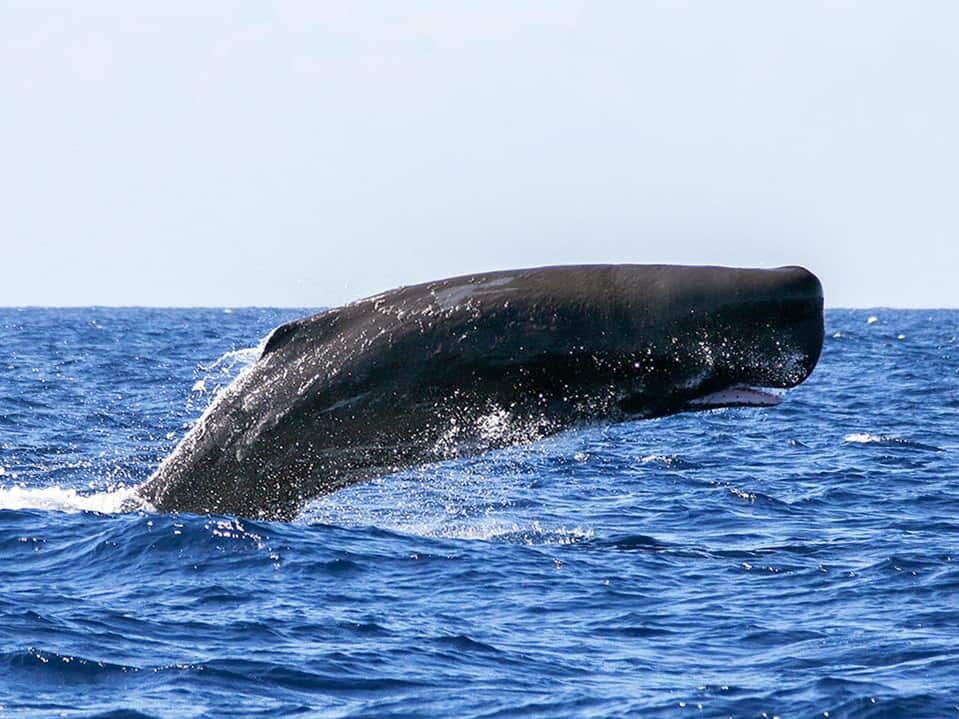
(308, 153)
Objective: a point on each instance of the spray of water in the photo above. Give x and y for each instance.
(211, 381)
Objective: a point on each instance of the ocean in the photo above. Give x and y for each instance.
(797, 561)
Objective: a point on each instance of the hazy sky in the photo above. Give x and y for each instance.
(308, 153)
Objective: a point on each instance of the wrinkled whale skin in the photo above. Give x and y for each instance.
(463, 365)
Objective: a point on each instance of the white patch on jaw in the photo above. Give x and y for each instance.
(737, 397)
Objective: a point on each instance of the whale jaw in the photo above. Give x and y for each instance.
(739, 396)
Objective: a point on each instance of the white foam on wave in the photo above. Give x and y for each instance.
(889, 440)
(867, 438)
(665, 460)
(493, 529)
(863, 438)
(61, 499)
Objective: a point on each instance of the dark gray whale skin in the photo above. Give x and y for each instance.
(463, 365)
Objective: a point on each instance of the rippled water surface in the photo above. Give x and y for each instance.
(786, 562)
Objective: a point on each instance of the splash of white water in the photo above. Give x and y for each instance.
(61, 499)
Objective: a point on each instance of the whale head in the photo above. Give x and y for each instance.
(604, 341)
(718, 337)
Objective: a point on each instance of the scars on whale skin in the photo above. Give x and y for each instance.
(463, 365)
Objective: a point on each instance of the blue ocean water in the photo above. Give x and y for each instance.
(797, 561)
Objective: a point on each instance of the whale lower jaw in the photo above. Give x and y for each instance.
(740, 396)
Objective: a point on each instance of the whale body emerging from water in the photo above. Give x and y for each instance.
(463, 365)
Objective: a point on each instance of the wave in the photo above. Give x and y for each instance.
(888, 440)
(67, 666)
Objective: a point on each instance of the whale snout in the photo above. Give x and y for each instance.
(799, 312)
(786, 325)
